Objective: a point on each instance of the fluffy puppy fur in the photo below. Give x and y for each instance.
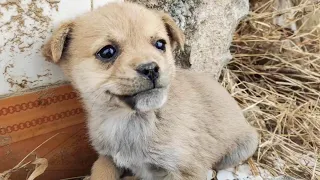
(143, 113)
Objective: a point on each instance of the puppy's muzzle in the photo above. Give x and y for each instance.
(146, 100)
(149, 71)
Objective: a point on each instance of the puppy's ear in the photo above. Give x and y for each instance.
(57, 44)
(176, 35)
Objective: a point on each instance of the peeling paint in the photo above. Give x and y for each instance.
(25, 23)
(5, 140)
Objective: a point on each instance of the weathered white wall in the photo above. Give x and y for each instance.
(24, 27)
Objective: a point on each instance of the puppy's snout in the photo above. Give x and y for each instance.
(149, 70)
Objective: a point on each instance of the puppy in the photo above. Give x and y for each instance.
(143, 113)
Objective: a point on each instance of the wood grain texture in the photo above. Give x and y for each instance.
(27, 121)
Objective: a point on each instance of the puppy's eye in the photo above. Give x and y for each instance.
(107, 53)
(161, 45)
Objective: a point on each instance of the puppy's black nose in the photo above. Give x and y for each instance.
(149, 70)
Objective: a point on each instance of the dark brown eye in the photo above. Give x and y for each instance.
(107, 53)
(161, 45)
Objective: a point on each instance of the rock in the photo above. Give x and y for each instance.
(208, 25)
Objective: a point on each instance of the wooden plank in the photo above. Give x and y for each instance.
(28, 120)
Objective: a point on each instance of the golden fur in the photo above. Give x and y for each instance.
(176, 127)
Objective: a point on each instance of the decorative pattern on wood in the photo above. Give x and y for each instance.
(27, 121)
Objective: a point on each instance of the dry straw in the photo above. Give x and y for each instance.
(275, 77)
(39, 164)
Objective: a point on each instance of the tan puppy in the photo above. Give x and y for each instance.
(145, 115)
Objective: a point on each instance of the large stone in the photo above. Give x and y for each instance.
(208, 25)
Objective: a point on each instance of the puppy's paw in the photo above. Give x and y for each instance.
(104, 169)
(245, 148)
(130, 178)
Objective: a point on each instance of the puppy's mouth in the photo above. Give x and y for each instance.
(149, 96)
(132, 99)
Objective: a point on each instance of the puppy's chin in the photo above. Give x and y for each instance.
(147, 100)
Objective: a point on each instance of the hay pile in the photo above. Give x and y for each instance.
(275, 77)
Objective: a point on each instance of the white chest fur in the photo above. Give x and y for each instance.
(125, 136)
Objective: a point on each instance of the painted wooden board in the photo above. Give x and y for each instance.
(28, 120)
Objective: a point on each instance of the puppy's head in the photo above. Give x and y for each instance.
(122, 50)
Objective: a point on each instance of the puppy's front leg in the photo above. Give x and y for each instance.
(130, 178)
(190, 174)
(104, 169)
(245, 148)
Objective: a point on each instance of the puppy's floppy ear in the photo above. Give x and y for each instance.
(55, 47)
(176, 35)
